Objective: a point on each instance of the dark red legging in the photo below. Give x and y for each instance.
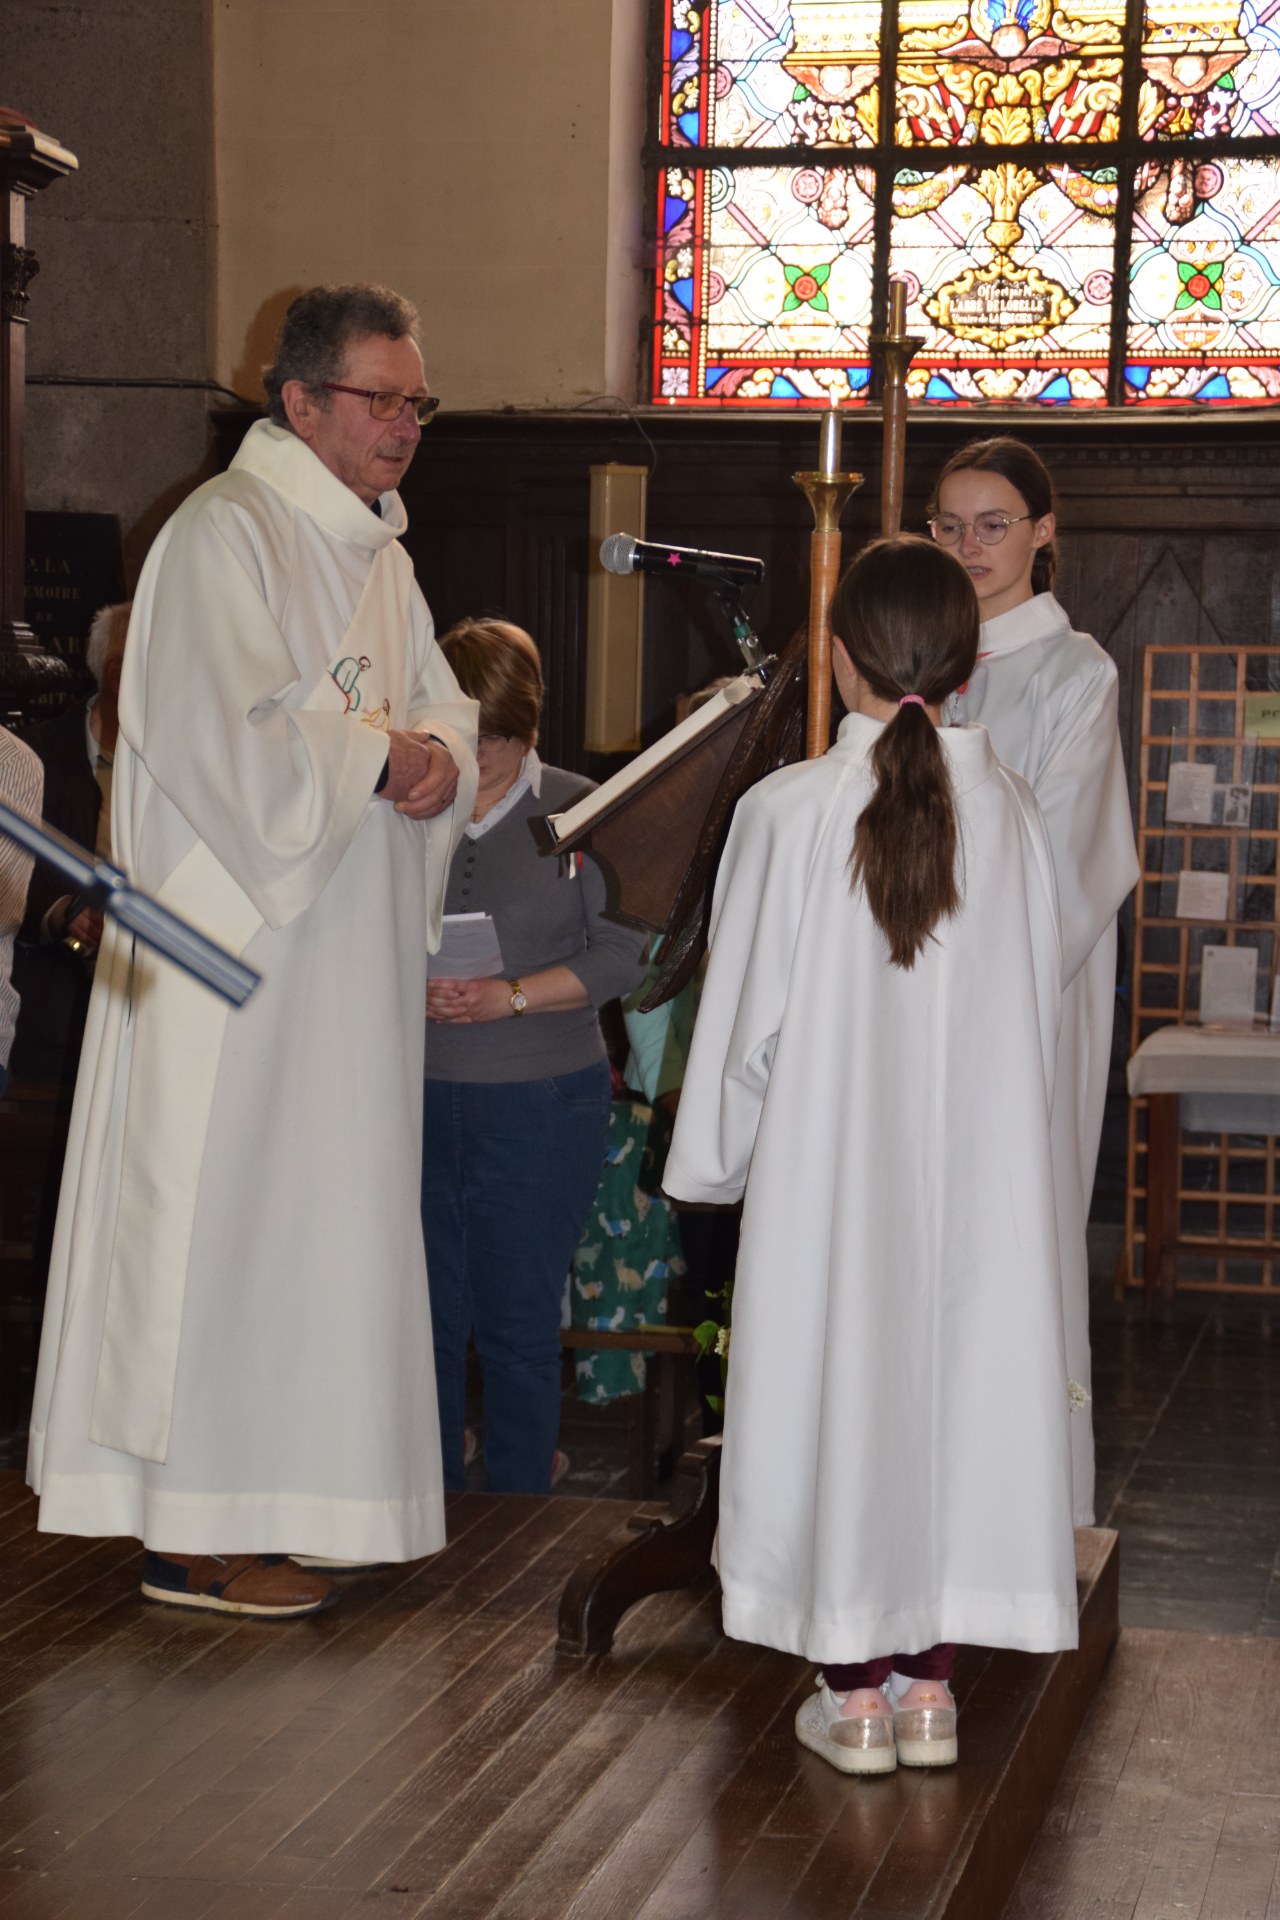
(935, 1663)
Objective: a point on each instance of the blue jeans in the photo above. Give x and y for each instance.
(509, 1172)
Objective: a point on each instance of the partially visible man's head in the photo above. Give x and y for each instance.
(104, 649)
(359, 336)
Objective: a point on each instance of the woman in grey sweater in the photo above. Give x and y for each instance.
(517, 1083)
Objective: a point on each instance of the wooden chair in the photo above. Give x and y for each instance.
(658, 1413)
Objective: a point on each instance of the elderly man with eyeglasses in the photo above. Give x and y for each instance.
(237, 1359)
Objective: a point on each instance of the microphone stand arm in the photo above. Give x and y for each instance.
(729, 596)
(99, 884)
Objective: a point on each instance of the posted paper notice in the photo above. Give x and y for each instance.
(1228, 984)
(1190, 793)
(1202, 896)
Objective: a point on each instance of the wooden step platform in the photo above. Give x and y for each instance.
(423, 1749)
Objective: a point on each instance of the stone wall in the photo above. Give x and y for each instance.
(125, 249)
(231, 151)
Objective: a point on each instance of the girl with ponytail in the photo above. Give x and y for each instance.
(1048, 696)
(906, 635)
(871, 1072)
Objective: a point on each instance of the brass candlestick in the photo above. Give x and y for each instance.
(893, 353)
(826, 494)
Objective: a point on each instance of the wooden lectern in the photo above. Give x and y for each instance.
(29, 161)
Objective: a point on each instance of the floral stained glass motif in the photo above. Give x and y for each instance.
(1211, 69)
(1008, 72)
(765, 291)
(1009, 282)
(738, 74)
(1068, 205)
(1204, 314)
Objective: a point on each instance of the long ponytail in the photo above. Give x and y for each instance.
(908, 616)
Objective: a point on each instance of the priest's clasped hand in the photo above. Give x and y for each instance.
(421, 776)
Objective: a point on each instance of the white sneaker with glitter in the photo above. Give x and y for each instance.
(924, 1725)
(854, 1732)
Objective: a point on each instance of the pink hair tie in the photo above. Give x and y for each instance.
(912, 700)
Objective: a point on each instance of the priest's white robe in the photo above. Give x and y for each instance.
(237, 1348)
(1048, 697)
(896, 1466)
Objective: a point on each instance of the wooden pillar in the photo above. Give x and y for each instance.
(29, 161)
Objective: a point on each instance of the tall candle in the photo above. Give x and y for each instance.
(829, 448)
(897, 308)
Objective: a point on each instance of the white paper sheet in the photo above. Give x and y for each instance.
(564, 826)
(1202, 896)
(1228, 983)
(1190, 794)
(469, 948)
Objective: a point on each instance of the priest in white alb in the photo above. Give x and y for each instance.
(237, 1359)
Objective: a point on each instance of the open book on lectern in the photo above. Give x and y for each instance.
(643, 824)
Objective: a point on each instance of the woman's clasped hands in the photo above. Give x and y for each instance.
(462, 1003)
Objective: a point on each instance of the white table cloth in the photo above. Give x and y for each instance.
(1230, 1082)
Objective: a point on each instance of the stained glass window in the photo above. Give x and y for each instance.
(1081, 196)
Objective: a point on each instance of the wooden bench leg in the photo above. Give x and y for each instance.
(672, 1553)
(655, 1446)
(641, 1475)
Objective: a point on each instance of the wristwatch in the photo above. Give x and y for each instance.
(519, 999)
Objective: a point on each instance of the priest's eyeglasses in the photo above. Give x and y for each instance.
(989, 528)
(389, 406)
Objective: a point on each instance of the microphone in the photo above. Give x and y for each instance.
(623, 553)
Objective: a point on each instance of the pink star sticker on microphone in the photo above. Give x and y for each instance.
(673, 559)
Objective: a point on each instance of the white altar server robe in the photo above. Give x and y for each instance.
(896, 1464)
(1048, 697)
(237, 1349)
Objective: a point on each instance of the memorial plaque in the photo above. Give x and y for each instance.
(1000, 305)
(75, 564)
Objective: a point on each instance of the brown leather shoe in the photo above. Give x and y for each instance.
(270, 1586)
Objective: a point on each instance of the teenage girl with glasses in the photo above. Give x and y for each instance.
(871, 1068)
(1048, 698)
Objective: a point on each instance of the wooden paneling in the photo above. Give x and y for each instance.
(1168, 530)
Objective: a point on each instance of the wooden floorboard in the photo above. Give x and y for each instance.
(1169, 1805)
(423, 1752)
(535, 1784)
(461, 1713)
(281, 1720)
(166, 1806)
